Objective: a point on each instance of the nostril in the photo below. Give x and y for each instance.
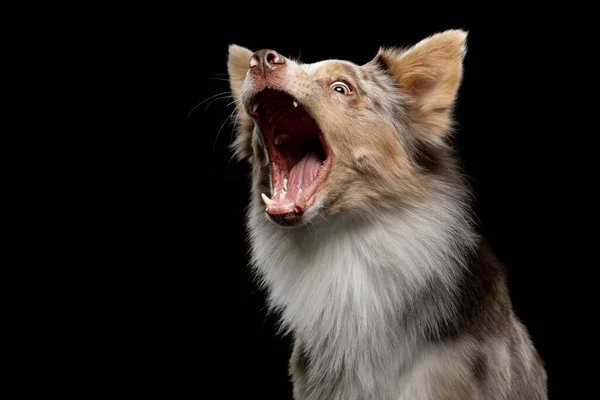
(273, 58)
(266, 59)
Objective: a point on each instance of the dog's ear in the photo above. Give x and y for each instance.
(238, 63)
(429, 75)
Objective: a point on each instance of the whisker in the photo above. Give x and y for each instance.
(222, 125)
(227, 93)
(216, 99)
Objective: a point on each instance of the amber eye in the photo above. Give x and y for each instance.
(341, 87)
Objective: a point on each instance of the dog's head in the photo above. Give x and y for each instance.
(333, 136)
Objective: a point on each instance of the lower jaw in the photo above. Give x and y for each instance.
(296, 206)
(304, 198)
(293, 207)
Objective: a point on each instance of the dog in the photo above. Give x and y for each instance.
(361, 229)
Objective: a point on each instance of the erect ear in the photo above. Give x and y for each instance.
(429, 74)
(238, 63)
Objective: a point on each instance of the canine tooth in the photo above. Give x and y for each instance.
(268, 201)
(255, 107)
(285, 184)
(295, 104)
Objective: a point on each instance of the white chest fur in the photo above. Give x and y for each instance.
(343, 286)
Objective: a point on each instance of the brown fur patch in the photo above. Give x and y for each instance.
(479, 367)
(483, 306)
(429, 157)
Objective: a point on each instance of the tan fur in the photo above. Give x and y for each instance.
(378, 149)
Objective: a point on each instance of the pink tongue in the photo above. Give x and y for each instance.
(302, 175)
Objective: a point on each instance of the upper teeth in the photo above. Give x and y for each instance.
(295, 104)
(255, 107)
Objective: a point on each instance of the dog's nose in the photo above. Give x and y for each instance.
(266, 60)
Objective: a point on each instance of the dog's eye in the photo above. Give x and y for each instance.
(341, 87)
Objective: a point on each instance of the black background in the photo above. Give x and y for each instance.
(193, 320)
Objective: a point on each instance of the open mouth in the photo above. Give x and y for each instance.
(297, 152)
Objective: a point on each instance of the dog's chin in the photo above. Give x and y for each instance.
(292, 220)
(289, 220)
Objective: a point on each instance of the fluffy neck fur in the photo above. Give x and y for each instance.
(347, 288)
